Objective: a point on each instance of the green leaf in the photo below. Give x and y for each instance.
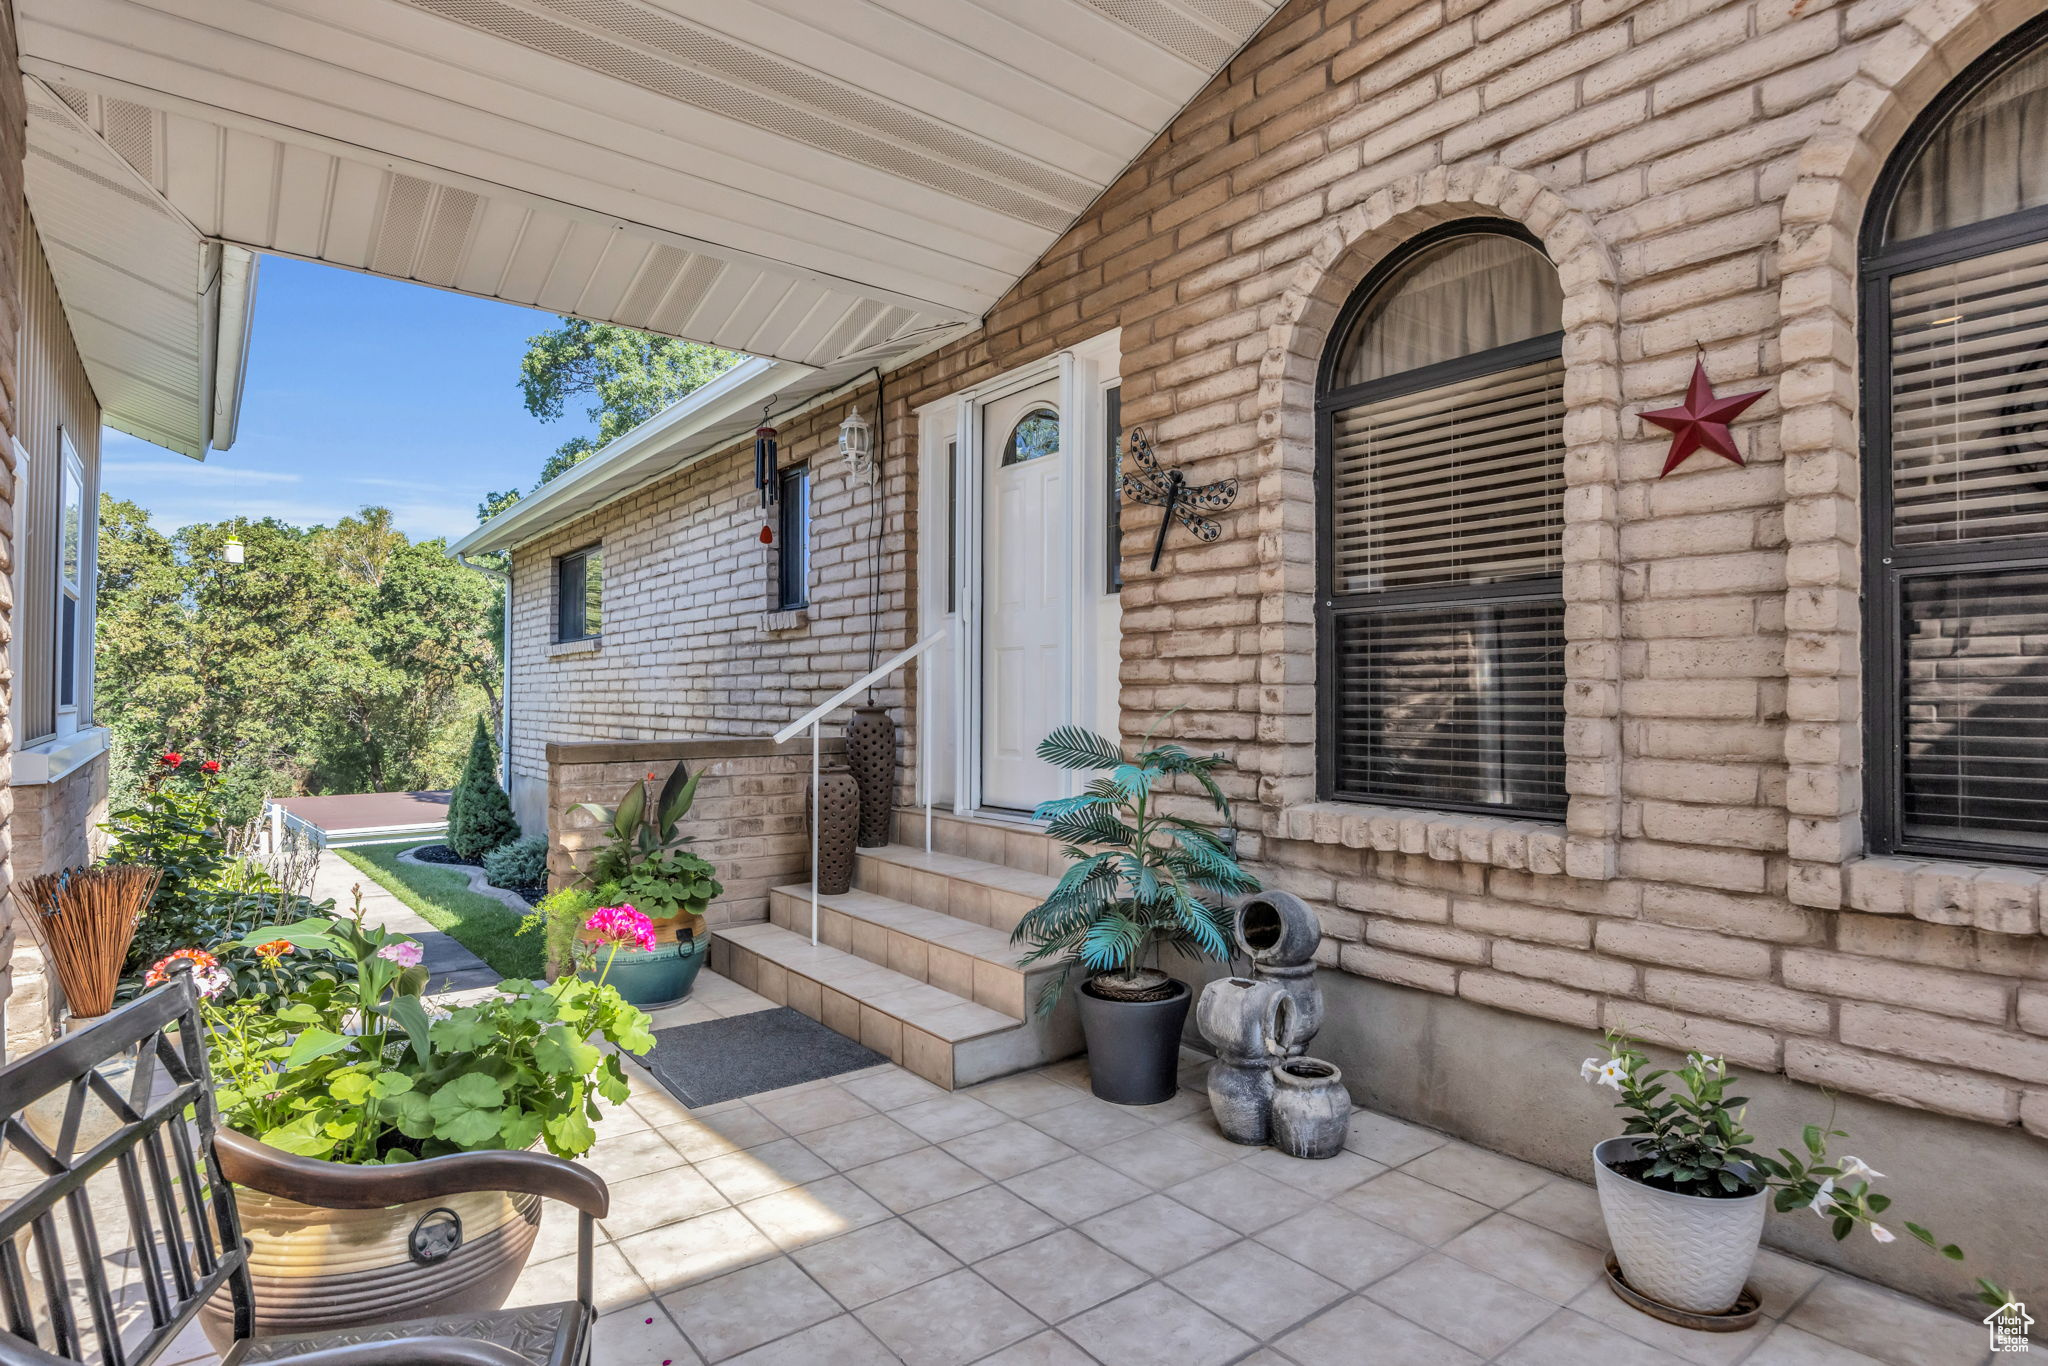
(560, 1053)
(465, 1110)
(1077, 749)
(569, 1135)
(631, 808)
(313, 1044)
(678, 794)
(411, 1016)
(350, 1088)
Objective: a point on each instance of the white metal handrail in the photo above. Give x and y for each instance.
(814, 720)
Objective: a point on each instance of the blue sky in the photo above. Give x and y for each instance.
(360, 390)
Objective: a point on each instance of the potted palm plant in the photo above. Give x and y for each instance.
(1140, 881)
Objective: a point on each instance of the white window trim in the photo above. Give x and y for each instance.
(77, 716)
(53, 760)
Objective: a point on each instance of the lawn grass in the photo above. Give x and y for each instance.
(487, 928)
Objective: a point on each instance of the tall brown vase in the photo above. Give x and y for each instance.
(871, 754)
(838, 821)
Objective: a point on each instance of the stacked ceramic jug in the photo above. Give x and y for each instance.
(1261, 1087)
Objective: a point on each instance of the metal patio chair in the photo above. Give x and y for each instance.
(130, 1096)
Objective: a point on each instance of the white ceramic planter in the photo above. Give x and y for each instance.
(1691, 1252)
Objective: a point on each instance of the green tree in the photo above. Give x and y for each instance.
(632, 376)
(331, 659)
(479, 813)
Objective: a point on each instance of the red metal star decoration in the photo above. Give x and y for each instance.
(1702, 421)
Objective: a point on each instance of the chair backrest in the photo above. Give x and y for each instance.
(110, 1271)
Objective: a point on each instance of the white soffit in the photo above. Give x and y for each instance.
(160, 314)
(797, 179)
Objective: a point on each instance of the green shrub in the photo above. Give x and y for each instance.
(208, 893)
(559, 916)
(522, 863)
(479, 813)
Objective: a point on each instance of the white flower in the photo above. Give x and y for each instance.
(1709, 1063)
(1613, 1073)
(1880, 1232)
(1589, 1070)
(1856, 1166)
(1824, 1202)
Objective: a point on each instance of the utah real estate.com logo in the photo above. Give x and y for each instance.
(2009, 1324)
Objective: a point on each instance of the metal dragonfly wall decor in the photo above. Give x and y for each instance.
(1144, 480)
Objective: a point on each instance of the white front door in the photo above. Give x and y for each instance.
(1025, 595)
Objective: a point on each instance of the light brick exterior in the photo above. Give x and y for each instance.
(1696, 169)
(747, 819)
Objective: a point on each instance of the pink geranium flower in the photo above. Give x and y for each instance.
(404, 952)
(622, 926)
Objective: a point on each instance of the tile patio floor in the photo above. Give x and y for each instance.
(874, 1218)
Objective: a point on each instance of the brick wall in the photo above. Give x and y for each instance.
(692, 645)
(747, 819)
(1696, 170)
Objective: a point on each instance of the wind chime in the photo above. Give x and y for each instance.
(767, 478)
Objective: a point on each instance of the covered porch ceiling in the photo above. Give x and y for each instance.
(801, 181)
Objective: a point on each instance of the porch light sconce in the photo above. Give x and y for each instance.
(232, 552)
(857, 447)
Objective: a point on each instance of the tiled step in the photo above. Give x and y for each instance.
(942, 1037)
(970, 889)
(1011, 842)
(962, 957)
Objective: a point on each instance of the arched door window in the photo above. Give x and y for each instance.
(1955, 380)
(1441, 489)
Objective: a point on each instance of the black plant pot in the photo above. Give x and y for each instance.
(1134, 1046)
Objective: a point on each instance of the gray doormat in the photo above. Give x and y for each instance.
(744, 1055)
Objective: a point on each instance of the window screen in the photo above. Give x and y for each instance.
(1442, 492)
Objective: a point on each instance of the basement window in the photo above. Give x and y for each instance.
(579, 595)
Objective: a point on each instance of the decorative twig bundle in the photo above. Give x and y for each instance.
(84, 918)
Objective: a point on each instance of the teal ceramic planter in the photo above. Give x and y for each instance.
(661, 977)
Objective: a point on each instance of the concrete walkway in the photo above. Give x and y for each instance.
(454, 967)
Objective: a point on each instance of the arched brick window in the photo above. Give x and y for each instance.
(1955, 408)
(1440, 486)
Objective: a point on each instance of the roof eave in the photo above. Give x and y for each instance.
(615, 467)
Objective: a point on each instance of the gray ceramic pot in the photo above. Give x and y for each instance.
(1311, 1108)
(1244, 1020)
(1134, 1046)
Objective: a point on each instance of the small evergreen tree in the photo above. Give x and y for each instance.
(479, 813)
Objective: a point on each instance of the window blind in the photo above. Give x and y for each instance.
(1974, 703)
(1969, 414)
(1462, 483)
(1457, 704)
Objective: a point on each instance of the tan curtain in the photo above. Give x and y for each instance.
(1989, 158)
(1468, 295)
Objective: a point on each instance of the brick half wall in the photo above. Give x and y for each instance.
(748, 819)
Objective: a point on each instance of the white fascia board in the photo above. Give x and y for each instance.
(232, 322)
(616, 467)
